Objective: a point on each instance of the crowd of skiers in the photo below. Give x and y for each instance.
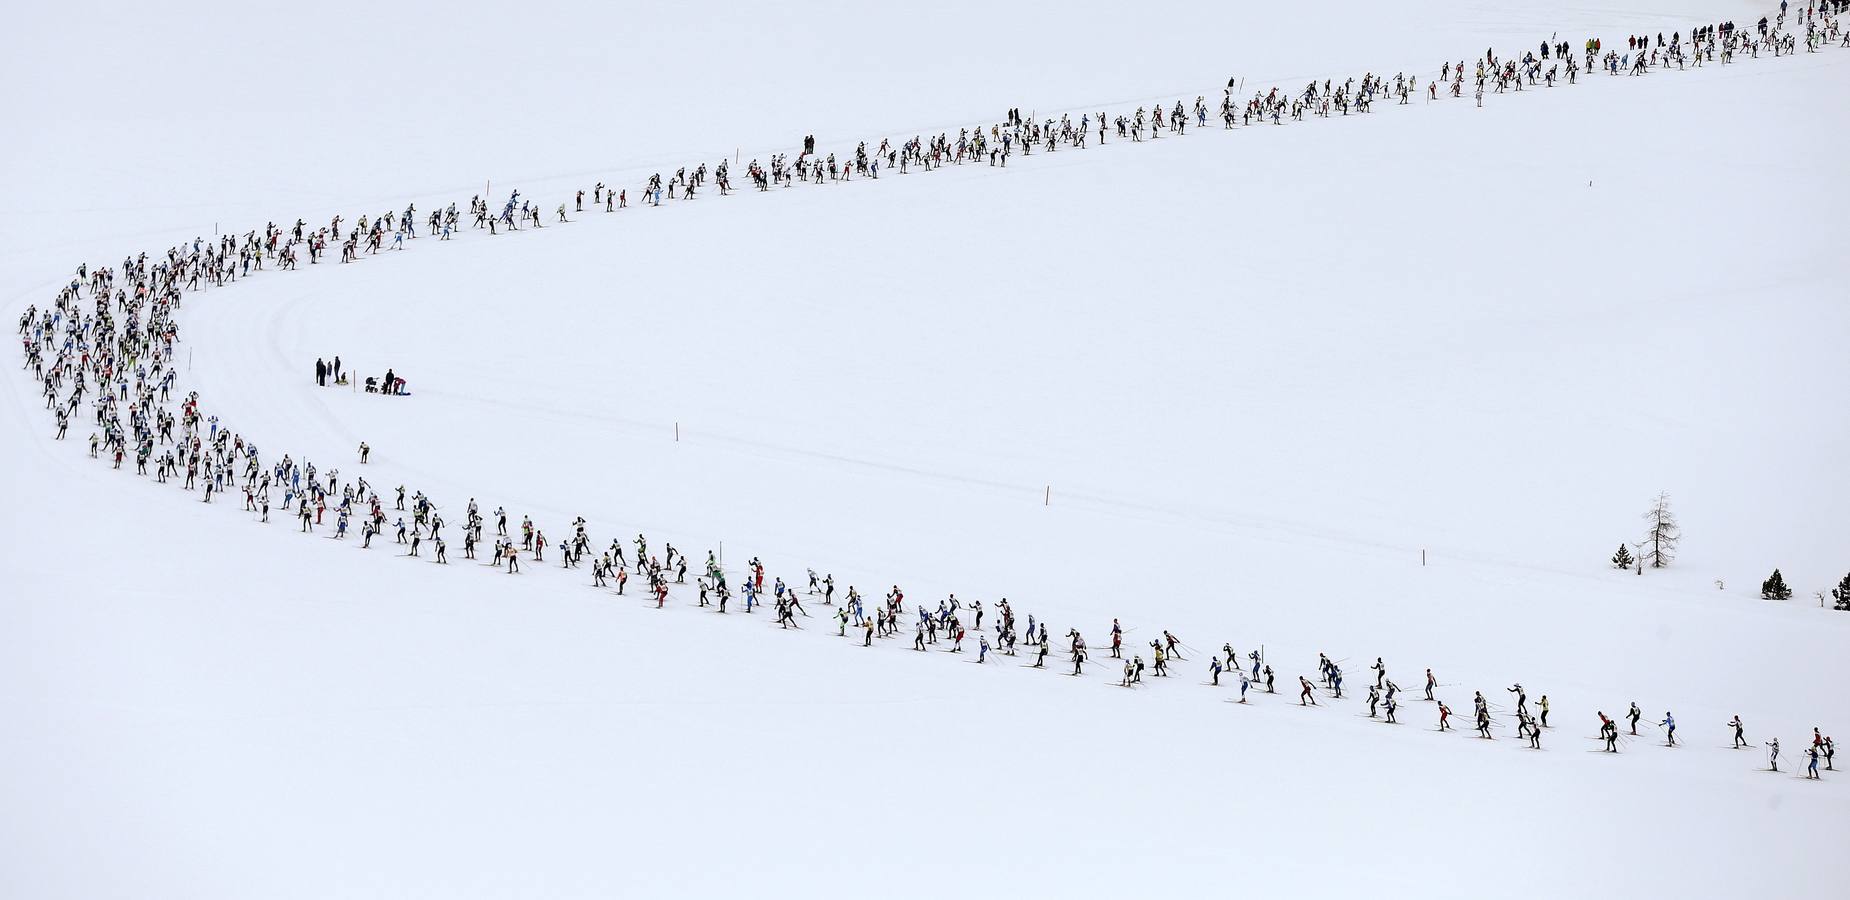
(102, 352)
(1549, 64)
(116, 330)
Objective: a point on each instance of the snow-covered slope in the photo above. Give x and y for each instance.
(1226, 384)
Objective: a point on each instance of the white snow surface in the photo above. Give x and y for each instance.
(1229, 384)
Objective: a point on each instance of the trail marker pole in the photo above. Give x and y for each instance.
(1047, 500)
(1422, 556)
(677, 432)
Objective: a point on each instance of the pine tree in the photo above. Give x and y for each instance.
(1842, 593)
(1664, 534)
(1622, 559)
(1774, 588)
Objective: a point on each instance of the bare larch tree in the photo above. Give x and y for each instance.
(1661, 541)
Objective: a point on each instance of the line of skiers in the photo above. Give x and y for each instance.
(109, 337)
(1550, 62)
(123, 339)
